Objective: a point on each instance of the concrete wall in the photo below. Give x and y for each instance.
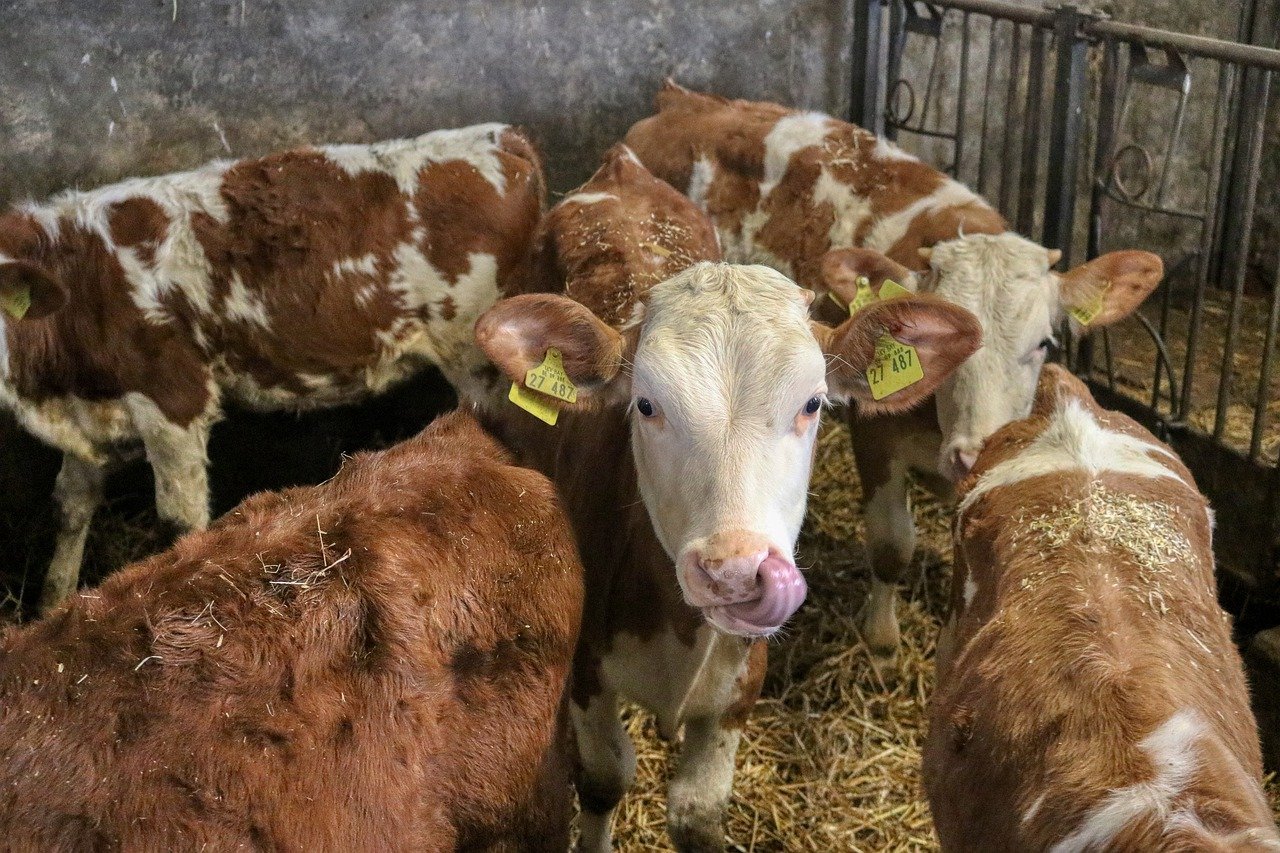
(95, 90)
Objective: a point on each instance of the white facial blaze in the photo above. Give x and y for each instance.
(728, 360)
(1004, 280)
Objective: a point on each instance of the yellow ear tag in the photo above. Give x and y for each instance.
(892, 290)
(534, 403)
(546, 380)
(549, 378)
(864, 297)
(1085, 313)
(16, 302)
(896, 365)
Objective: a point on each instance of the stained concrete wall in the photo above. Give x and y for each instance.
(95, 90)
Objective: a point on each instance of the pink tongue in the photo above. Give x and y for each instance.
(782, 589)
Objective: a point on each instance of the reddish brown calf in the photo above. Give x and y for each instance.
(302, 279)
(376, 663)
(1089, 694)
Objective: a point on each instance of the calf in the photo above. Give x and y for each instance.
(302, 279)
(376, 663)
(683, 462)
(1089, 695)
(828, 203)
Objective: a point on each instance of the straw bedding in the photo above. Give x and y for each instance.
(831, 757)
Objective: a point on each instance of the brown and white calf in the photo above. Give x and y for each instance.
(826, 202)
(684, 465)
(302, 279)
(1089, 694)
(376, 663)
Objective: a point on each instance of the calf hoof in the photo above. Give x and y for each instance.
(880, 636)
(697, 832)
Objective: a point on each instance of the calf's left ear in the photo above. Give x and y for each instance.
(1109, 287)
(29, 291)
(942, 335)
(517, 332)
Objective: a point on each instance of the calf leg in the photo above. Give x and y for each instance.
(79, 493)
(703, 783)
(179, 458)
(891, 542)
(606, 768)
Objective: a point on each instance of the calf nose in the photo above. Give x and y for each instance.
(731, 562)
(960, 459)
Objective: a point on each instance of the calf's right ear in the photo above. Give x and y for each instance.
(28, 291)
(517, 332)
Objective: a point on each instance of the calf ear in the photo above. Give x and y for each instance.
(943, 335)
(1056, 386)
(517, 332)
(841, 269)
(29, 291)
(1109, 287)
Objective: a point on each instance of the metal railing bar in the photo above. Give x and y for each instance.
(1203, 46)
(986, 108)
(1260, 411)
(1031, 131)
(961, 90)
(1264, 58)
(1256, 107)
(1001, 9)
(1011, 121)
(1208, 234)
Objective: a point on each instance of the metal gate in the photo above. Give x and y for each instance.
(1077, 128)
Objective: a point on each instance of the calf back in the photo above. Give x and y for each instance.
(374, 663)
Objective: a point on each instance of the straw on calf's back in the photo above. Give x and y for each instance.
(302, 279)
(376, 663)
(828, 203)
(684, 465)
(1089, 694)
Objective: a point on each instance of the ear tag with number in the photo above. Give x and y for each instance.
(546, 380)
(896, 365)
(16, 302)
(1085, 313)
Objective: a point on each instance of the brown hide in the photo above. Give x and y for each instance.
(375, 663)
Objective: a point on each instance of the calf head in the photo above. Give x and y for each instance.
(727, 377)
(1008, 283)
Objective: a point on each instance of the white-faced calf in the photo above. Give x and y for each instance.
(302, 279)
(826, 202)
(377, 663)
(684, 464)
(1089, 694)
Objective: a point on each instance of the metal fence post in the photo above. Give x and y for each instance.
(1065, 129)
(867, 67)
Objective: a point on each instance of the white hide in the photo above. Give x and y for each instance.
(403, 159)
(1172, 750)
(1074, 440)
(727, 356)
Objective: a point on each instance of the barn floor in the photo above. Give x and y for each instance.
(831, 756)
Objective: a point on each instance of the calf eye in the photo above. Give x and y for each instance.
(813, 405)
(644, 407)
(1048, 344)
